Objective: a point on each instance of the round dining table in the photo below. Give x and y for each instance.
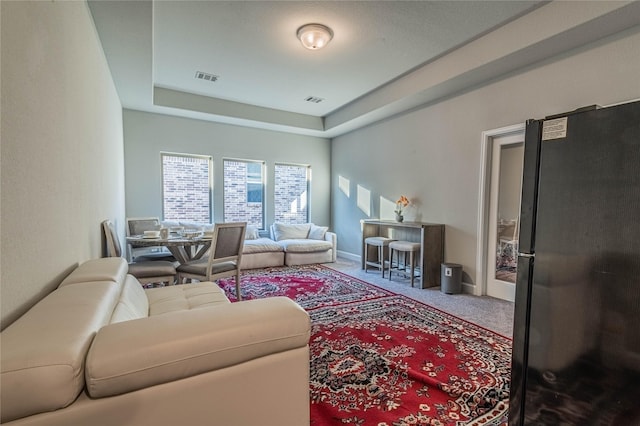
(183, 249)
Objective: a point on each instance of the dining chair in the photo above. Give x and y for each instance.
(137, 226)
(224, 256)
(147, 272)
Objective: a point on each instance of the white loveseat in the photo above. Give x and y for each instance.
(299, 244)
(101, 350)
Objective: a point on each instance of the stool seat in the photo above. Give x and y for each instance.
(381, 243)
(378, 241)
(403, 247)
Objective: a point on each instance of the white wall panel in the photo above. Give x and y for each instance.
(62, 149)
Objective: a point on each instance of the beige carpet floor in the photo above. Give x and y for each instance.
(491, 313)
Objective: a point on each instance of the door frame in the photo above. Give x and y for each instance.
(484, 192)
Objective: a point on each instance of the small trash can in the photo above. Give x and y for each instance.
(451, 278)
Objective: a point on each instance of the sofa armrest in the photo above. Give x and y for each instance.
(135, 354)
(333, 239)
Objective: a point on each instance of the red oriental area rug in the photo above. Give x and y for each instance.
(383, 359)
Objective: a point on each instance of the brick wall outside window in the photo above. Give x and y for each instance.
(237, 207)
(291, 193)
(186, 193)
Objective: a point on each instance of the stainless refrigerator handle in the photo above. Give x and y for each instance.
(527, 255)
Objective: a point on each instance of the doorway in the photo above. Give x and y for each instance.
(498, 219)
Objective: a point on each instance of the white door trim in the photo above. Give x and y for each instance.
(484, 190)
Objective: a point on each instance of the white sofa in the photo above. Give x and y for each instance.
(101, 350)
(299, 244)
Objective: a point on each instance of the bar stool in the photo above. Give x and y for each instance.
(403, 247)
(381, 243)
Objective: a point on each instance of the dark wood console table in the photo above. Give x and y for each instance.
(429, 235)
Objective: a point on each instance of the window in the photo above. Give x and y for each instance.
(254, 183)
(244, 192)
(186, 187)
(292, 193)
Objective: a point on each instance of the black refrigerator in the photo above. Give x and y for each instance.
(576, 342)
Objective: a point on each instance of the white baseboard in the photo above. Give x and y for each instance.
(349, 256)
(467, 288)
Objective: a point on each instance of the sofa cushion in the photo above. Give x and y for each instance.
(282, 231)
(267, 259)
(206, 227)
(133, 302)
(183, 297)
(305, 246)
(43, 352)
(317, 232)
(251, 233)
(261, 245)
(141, 353)
(104, 269)
(170, 223)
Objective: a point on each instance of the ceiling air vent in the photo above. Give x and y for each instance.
(206, 77)
(314, 99)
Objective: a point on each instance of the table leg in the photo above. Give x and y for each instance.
(185, 254)
(179, 253)
(201, 250)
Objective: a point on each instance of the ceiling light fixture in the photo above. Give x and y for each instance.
(314, 36)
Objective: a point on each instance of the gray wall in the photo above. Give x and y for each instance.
(62, 148)
(432, 154)
(148, 134)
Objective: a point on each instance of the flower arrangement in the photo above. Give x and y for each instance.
(401, 204)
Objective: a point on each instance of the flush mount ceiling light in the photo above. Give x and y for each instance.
(314, 36)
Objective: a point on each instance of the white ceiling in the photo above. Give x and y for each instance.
(253, 47)
(155, 48)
